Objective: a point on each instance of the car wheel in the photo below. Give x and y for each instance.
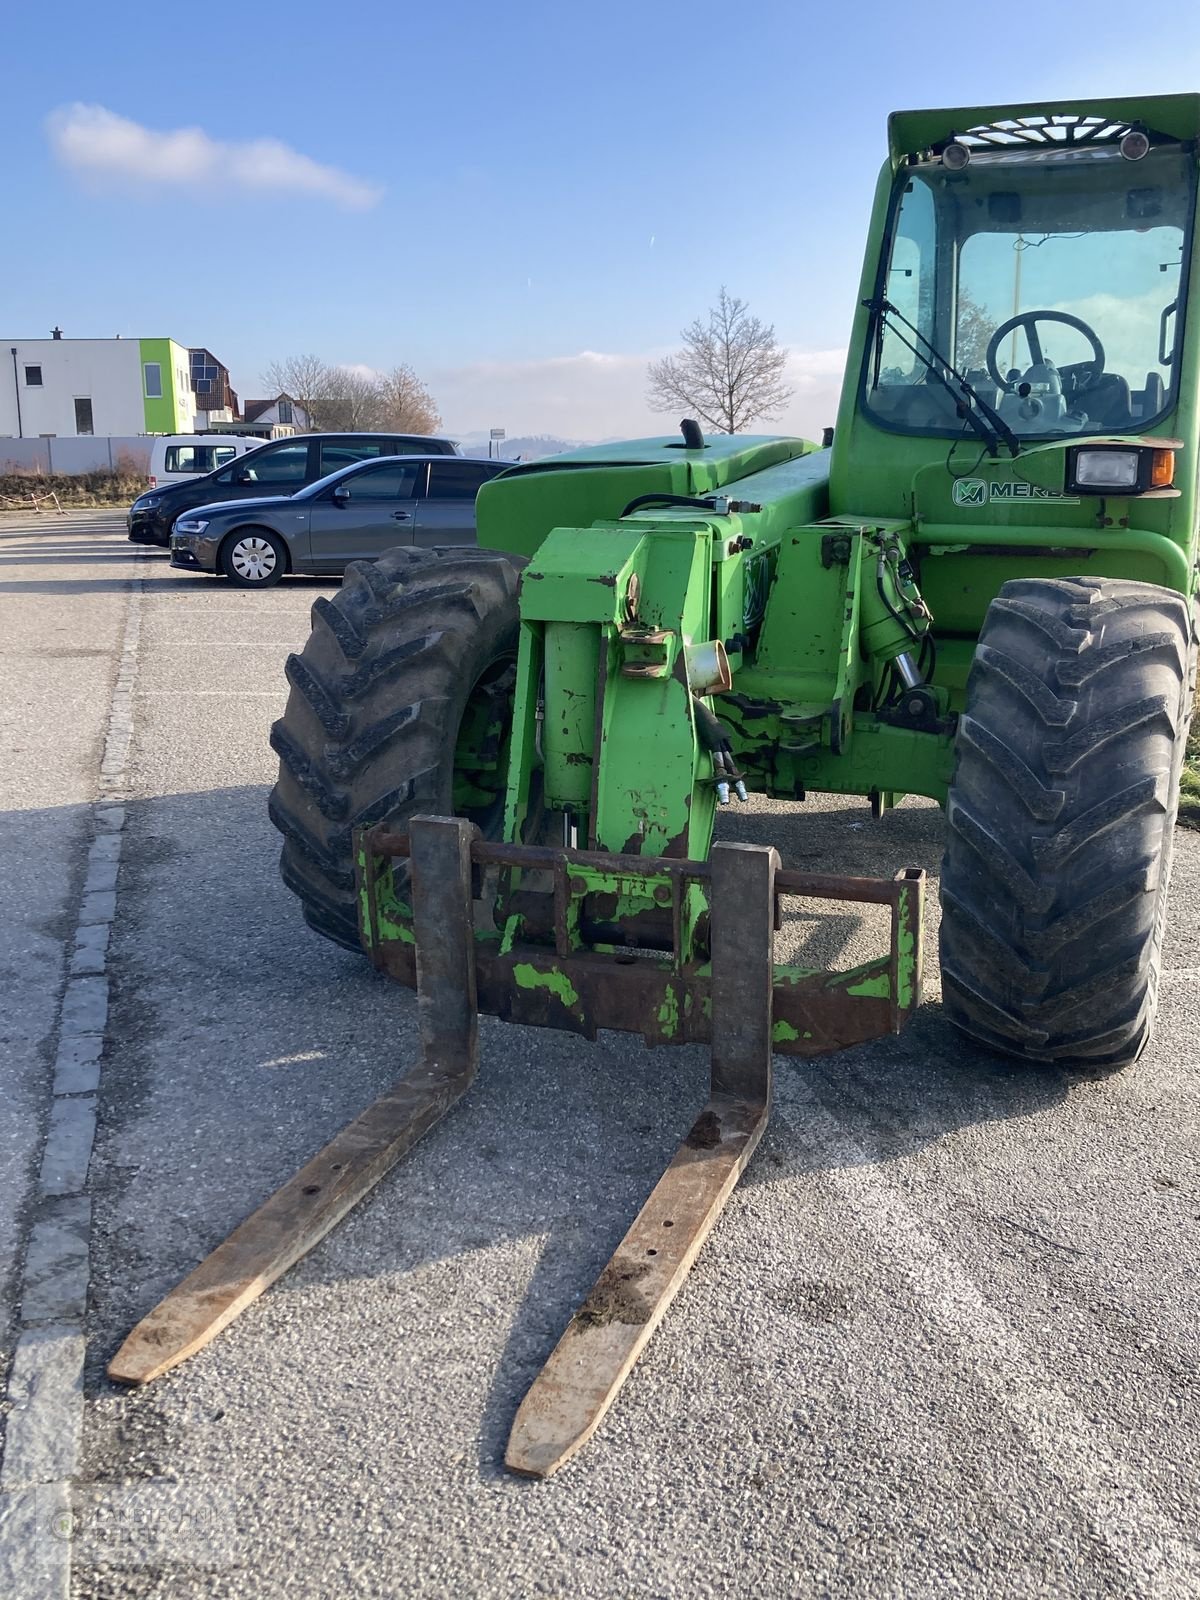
(253, 558)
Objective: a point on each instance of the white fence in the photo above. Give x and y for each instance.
(95, 453)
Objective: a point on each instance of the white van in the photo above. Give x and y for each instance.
(185, 455)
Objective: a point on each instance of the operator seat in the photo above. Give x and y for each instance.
(1108, 402)
(1153, 398)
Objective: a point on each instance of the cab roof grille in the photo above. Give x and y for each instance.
(1062, 129)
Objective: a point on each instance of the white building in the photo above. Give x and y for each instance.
(59, 388)
(282, 412)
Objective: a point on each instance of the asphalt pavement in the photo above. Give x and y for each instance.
(940, 1343)
(63, 594)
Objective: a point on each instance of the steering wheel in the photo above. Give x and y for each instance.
(1083, 374)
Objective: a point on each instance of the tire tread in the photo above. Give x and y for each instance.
(1060, 818)
(368, 732)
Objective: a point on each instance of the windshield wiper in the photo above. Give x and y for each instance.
(987, 423)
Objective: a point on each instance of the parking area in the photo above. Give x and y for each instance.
(941, 1342)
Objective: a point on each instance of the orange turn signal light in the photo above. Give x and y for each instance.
(1162, 469)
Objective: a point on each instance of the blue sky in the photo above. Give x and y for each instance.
(525, 202)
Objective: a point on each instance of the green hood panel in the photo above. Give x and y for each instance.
(516, 511)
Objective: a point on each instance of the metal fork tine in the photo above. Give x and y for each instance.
(302, 1212)
(595, 1355)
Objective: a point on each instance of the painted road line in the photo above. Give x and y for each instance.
(1155, 1556)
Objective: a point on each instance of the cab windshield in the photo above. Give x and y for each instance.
(1050, 279)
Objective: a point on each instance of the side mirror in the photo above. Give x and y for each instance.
(242, 475)
(341, 494)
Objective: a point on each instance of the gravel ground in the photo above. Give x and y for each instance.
(940, 1343)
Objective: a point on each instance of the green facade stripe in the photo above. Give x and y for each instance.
(160, 411)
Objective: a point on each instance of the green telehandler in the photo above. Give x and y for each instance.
(500, 767)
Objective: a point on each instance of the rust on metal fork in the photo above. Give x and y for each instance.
(816, 885)
(572, 970)
(366, 880)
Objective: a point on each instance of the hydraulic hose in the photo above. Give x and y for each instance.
(716, 741)
(905, 622)
(667, 500)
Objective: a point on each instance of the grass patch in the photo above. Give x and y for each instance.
(119, 488)
(1189, 784)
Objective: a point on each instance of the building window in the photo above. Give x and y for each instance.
(152, 372)
(203, 386)
(83, 416)
(285, 411)
(33, 377)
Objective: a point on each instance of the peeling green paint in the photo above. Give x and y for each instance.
(668, 1013)
(791, 976)
(784, 1033)
(879, 986)
(399, 932)
(906, 951)
(528, 976)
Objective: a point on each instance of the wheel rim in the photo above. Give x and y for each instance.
(253, 558)
(481, 752)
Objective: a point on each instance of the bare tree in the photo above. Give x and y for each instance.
(973, 334)
(729, 372)
(305, 379)
(338, 399)
(408, 406)
(351, 401)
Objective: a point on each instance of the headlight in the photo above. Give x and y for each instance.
(190, 525)
(1106, 469)
(146, 502)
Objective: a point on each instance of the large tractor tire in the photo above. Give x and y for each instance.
(399, 705)
(1060, 819)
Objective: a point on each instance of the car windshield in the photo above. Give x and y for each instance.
(1052, 279)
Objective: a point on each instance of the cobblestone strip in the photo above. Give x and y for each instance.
(42, 1440)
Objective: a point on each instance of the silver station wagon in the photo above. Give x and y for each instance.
(353, 514)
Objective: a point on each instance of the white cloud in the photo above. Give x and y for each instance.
(97, 143)
(594, 395)
(816, 378)
(1127, 326)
